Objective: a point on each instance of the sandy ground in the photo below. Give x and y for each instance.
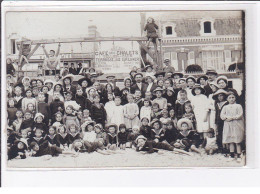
(127, 158)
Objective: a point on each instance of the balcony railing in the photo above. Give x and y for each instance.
(202, 39)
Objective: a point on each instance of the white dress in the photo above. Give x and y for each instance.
(118, 115)
(212, 114)
(145, 112)
(109, 107)
(233, 131)
(200, 103)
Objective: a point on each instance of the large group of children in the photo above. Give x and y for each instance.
(158, 109)
(155, 110)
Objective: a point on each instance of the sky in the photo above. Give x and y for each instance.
(51, 25)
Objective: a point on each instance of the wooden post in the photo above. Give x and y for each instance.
(151, 54)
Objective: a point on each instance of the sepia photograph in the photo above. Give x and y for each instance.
(125, 89)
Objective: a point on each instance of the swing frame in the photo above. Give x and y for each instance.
(156, 56)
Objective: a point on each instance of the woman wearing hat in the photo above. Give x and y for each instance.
(84, 82)
(127, 84)
(67, 85)
(200, 104)
(222, 82)
(202, 80)
(150, 81)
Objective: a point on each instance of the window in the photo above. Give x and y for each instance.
(213, 59)
(168, 30)
(13, 46)
(207, 27)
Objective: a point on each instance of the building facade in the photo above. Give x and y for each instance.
(214, 39)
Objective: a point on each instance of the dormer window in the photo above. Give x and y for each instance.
(168, 30)
(207, 27)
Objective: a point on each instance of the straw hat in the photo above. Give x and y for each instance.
(70, 76)
(48, 81)
(158, 89)
(140, 137)
(184, 120)
(191, 77)
(219, 91)
(222, 77)
(87, 123)
(26, 78)
(211, 70)
(195, 87)
(38, 115)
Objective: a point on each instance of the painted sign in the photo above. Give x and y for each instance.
(116, 61)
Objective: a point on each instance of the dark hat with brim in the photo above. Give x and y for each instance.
(156, 121)
(177, 73)
(138, 74)
(203, 76)
(197, 86)
(84, 79)
(159, 73)
(112, 125)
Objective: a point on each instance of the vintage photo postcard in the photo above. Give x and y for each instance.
(124, 89)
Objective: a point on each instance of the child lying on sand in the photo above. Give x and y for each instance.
(151, 146)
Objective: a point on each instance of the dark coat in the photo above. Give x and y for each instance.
(111, 139)
(122, 137)
(143, 89)
(160, 136)
(145, 131)
(151, 147)
(81, 100)
(52, 139)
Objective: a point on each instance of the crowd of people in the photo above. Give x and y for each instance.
(156, 109)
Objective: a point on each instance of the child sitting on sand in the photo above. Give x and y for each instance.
(186, 138)
(132, 137)
(122, 136)
(112, 140)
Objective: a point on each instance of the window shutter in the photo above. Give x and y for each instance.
(191, 58)
(174, 60)
(227, 58)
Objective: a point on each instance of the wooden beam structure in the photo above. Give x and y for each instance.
(156, 56)
(86, 39)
